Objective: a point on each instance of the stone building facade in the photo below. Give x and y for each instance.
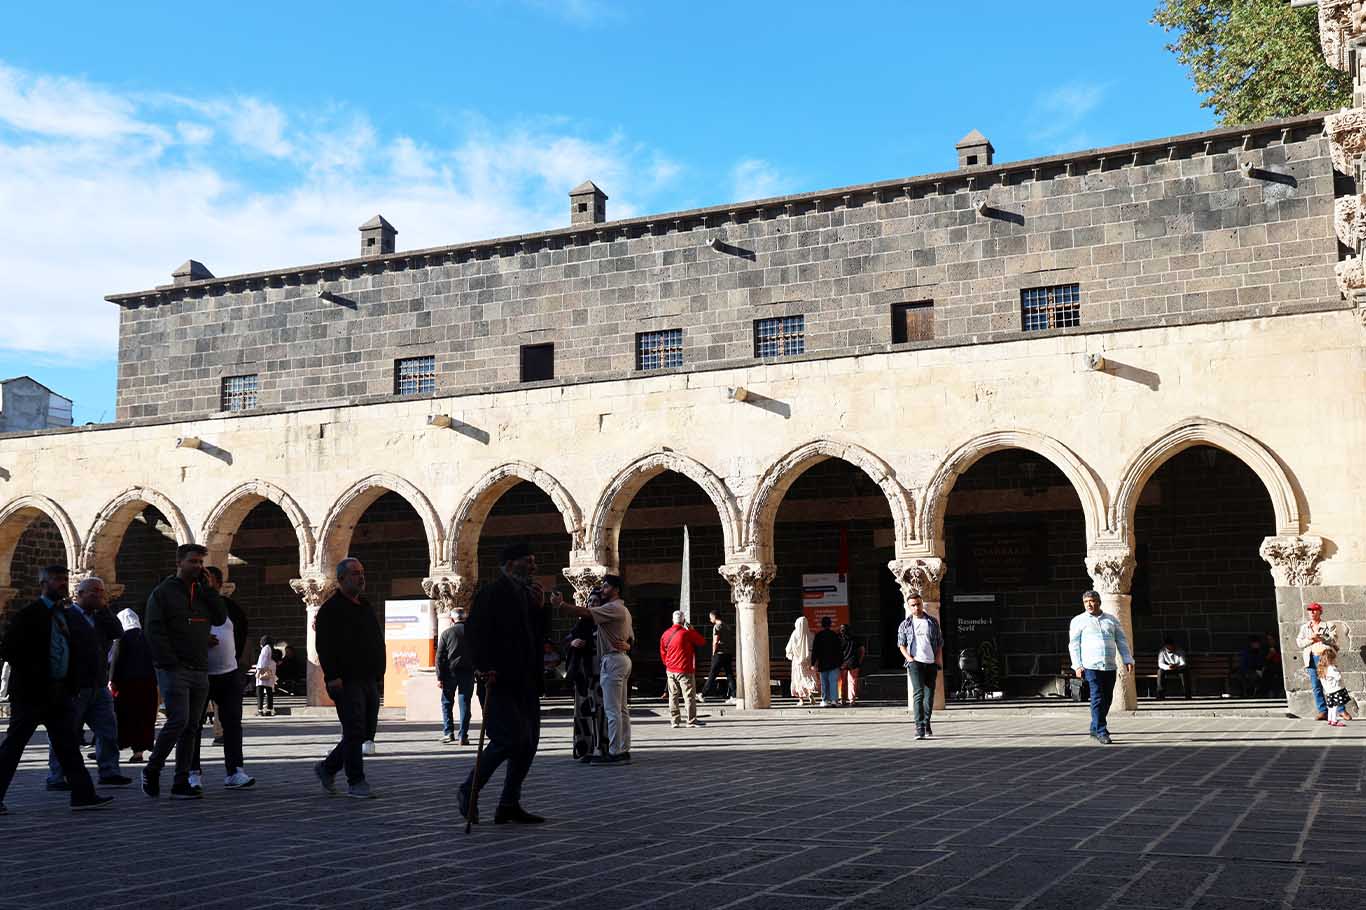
(803, 381)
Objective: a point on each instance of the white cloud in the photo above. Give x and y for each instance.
(114, 191)
(1059, 115)
(755, 178)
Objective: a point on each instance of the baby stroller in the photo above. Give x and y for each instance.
(969, 676)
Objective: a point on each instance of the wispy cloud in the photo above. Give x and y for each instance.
(129, 186)
(755, 178)
(1060, 115)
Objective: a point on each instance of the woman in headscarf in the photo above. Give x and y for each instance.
(804, 680)
(583, 673)
(133, 681)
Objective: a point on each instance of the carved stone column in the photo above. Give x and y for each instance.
(1112, 572)
(922, 577)
(584, 578)
(315, 590)
(1294, 562)
(447, 591)
(749, 583)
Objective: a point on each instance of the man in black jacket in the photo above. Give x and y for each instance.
(350, 643)
(93, 630)
(43, 685)
(504, 632)
(455, 675)
(180, 612)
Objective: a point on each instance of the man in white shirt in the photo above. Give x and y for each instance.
(1313, 632)
(922, 645)
(225, 691)
(1171, 662)
(1097, 644)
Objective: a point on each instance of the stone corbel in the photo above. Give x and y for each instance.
(584, 578)
(448, 592)
(1351, 276)
(314, 590)
(1111, 571)
(748, 581)
(1348, 221)
(918, 576)
(1295, 560)
(1346, 132)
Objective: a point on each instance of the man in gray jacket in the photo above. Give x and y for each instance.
(180, 613)
(922, 644)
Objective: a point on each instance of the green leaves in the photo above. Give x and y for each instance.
(1253, 60)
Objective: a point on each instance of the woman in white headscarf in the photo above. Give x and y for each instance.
(804, 680)
(133, 682)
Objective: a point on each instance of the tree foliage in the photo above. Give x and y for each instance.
(1253, 59)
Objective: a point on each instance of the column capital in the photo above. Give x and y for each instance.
(314, 589)
(447, 591)
(584, 578)
(918, 576)
(1111, 570)
(748, 581)
(1294, 560)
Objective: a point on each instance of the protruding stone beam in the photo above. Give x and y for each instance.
(1294, 561)
(1112, 572)
(922, 577)
(749, 583)
(314, 590)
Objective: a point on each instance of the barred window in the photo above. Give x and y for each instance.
(779, 336)
(1056, 307)
(655, 350)
(415, 376)
(239, 392)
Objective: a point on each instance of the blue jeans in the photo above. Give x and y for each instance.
(94, 707)
(456, 692)
(1315, 684)
(830, 686)
(183, 692)
(922, 679)
(1102, 685)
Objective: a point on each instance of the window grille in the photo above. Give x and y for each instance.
(780, 336)
(415, 376)
(1057, 307)
(239, 392)
(656, 350)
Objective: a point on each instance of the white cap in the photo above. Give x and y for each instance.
(678, 617)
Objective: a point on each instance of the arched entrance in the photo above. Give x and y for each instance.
(34, 532)
(132, 543)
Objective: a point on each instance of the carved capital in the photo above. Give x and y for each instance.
(1346, 131)
(918, 576)
(1111, 571)
(1295, 560)
(584, 579)
(748, 581)
(1341, 22)
(447, 592)
(314, 589)
(1348, 221)
(1351, 276)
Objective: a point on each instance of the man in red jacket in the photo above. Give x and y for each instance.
(676, 648)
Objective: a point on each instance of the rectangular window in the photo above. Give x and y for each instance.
(1056, 307)
(538, 362)
(780, 336)
(415, 376)
(912, 321)
(239, 392)
(656, 350)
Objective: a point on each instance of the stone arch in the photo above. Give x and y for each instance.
(774, 484)
(1194, 431)
(228, 513)
(467, 524)
(106, 532)
(18, 514)
(605, 528)
(935, 499)
(335, 537)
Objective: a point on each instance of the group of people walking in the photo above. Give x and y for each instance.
(824, 664)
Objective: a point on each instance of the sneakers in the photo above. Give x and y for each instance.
(97, 802)
(515, 815)
(464, 740)
(606, 760)
(447, 739)
(329, 781)
(696, 723)
(217, 741)
(197, 779)
(929, 731)
(676, 724)
(151, 783)
(1102, 738)
(701, 700)
(186, 791)
(238, 780)
(359, 790)
(368, 747)
(115, 780)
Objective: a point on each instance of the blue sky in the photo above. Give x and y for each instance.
(135, 136)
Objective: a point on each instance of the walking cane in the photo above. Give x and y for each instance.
(474, 782)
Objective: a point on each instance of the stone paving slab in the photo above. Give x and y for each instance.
(756, 811)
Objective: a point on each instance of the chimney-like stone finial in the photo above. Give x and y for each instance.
(377, 237)
(974, 150)
(191, 270)
(587, 204)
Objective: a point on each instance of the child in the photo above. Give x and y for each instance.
(1334, 692)
(265, 679)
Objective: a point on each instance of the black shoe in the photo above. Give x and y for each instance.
(217, 741)
(464, 740)
(462, 800)
(1103, 738)
(516, 815)
(151, 783)
(96, 802)
(116, 780)
(919, 734)
(605, 760)
(929, 731)
(185, 791)
(585, 759)
(59, 786)
(329, 781)
(624, 758)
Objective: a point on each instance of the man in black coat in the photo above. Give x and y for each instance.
(455, 675)
(350, 644)
(504, 632)
(93, 631)
(43, 686)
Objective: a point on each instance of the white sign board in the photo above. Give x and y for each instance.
(825, 590)
(407, 620)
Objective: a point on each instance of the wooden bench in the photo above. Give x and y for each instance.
(1218, 667)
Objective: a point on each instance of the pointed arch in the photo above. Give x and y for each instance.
(234, 506)
(605, 526)
(935, 499)
(1194, 431)
(774, 484)
(467, 524)
(337, 528)
(111, 523)
(18, 514)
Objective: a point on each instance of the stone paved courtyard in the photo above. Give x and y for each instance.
(838, 810)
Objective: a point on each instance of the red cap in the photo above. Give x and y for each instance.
(1314, 607)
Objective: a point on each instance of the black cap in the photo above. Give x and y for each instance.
(512, 551)
(615, 581)
(825, 622)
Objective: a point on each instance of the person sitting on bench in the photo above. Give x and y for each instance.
(1171, 662)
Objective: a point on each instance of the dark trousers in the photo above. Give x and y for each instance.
(265, 698)
(225, 691)
(184, 693)
(455, 694)
(58, 715)
(1164, 675)
(1102, 685)
(512, 723)
(922, 678)
(358, 710)
(720, 662)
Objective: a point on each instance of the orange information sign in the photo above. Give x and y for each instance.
(409, 641)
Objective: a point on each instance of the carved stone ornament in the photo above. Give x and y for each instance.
(1346, 131)
(1351, 276)
(447, 592)
(1294, 561)
(1339, 22)
(1111, 571)
(749, 581)
(314, 589)
(584, 579)
(1348, 221)
(918, 576)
